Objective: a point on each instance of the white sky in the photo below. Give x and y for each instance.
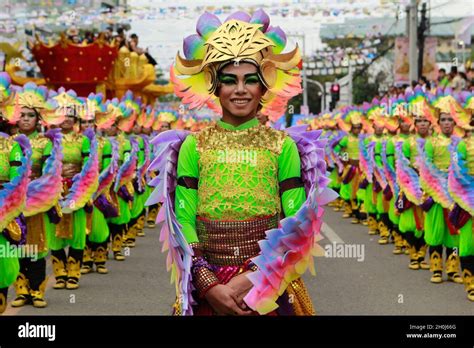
(163, 36)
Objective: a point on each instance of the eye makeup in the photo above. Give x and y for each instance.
(231, 79)
(252, 79)
(228, 79)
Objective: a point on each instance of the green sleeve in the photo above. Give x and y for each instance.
(429, 150)
(289, 166)
(15, 160)
(86, 149)
(47, 151)
(462, 151)
(341, 144)
(106, 154)
(390, 153)
(186, 198)
(406, 149)
(141, 151)
(378, 153)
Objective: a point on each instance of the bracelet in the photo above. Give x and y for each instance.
(250, 265)
(204, 277)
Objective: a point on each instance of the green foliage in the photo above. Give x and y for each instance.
(363, 90)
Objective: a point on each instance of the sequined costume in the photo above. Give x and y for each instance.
(71, 230)
(348, 149)
(235, 182)
(9, 265)
(98, 235)
(137, 218)
(439, 232)
(229, 197)
(119, 225)
(465, 220)
(31, 281)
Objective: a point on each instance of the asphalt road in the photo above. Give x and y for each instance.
(367, 280)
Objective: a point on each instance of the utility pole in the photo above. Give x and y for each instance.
(421, 38)
(302, 37)
(412, 39)
(305, 78)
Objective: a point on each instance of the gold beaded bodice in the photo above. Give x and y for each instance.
(441, 154)
(72, 154)
(352, 147)
(5, 149)
(238, 172)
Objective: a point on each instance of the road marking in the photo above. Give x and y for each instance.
(330, 234)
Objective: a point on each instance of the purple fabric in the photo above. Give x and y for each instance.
(363, 185)
(426, 206)
(124, 194)
(377, 187)
(458, 216)
(20, 220)
(402, 203)
(53, 216)
(106, 207)
(349, 176)
(387, 193)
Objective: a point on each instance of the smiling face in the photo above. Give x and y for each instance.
(28, 120)
(240, 91)
(446, 122)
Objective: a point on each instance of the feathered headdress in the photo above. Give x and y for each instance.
(350, 116)
(446, 102)
(93, 107)
(420, 107)
(240, 38)
(29, 96)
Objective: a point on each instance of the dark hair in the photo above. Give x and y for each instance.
(442, 70)
(134, 36)
(454, 69)
(425, 80)
(463, 75)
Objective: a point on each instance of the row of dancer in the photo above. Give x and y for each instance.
(404, 167)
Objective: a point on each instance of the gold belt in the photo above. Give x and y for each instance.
(231, 243)
(70, 169)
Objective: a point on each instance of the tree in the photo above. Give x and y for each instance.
(363, 90)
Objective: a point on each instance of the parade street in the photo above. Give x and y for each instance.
(368, 280)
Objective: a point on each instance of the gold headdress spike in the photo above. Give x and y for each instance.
(240, 38)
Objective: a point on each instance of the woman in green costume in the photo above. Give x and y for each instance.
(71, 230)
(118, 226)
(30, 284)
(439, 233)
(95, 251)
